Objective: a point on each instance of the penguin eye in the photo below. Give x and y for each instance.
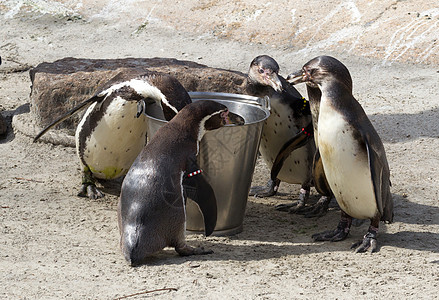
(312, 71)
(309, 72)
(261, 70)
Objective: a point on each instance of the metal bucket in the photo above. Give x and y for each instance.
(227, 157)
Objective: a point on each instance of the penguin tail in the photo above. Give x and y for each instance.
(67, 115)
(130, 248)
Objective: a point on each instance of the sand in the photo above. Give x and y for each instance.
(54, 245)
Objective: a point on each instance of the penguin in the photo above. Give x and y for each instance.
(112, 132)
(352, 154)
(151, 208)
(319, 179)
(289, 159)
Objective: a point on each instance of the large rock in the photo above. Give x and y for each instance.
(59, 86)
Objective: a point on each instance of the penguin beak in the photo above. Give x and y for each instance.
(296, 77)
(231, 118)
(273, 80)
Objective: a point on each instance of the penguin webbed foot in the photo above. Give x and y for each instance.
(88, 188)
(90, 191)
(369, 243)
(338, 234)
(319, 209)
(265, 191)
(297, 206)
(292, 207)
(187, 250)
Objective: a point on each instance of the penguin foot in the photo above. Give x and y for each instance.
(88, 188)
(290, 207)
(369, 243)
(90, 191)
(317, 210)
(338, 234)
(187, 250)
(265, 191)
(295, 207)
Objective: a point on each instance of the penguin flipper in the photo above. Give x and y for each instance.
(381, 182)
(74, 110)
(200, 191)
(298, 141)
(320, 182)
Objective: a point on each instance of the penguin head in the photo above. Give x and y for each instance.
(174, 95)
(264, 71)
(321, 70)
(208, 114)
(225, 117)
(219, 116)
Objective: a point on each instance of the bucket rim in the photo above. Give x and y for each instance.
(264, 103)
(261, 103)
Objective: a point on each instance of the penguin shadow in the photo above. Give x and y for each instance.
(111, 187)
(168, 256)
(8, 115)
(408, 212)
(421, 241)
(394, 128)
(269, 233)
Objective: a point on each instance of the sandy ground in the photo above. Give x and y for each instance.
(54, 245)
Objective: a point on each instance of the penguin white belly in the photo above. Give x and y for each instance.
(116, 141)
(346, 164)
(278, 129)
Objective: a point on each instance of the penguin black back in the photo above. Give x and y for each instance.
(151, 206)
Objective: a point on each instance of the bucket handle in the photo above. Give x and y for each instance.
(266, 103)
(263, 102)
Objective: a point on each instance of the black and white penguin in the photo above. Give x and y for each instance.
(319, 178)
(290, 113)
(112, 131)
(351, 151)
(151, 209)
